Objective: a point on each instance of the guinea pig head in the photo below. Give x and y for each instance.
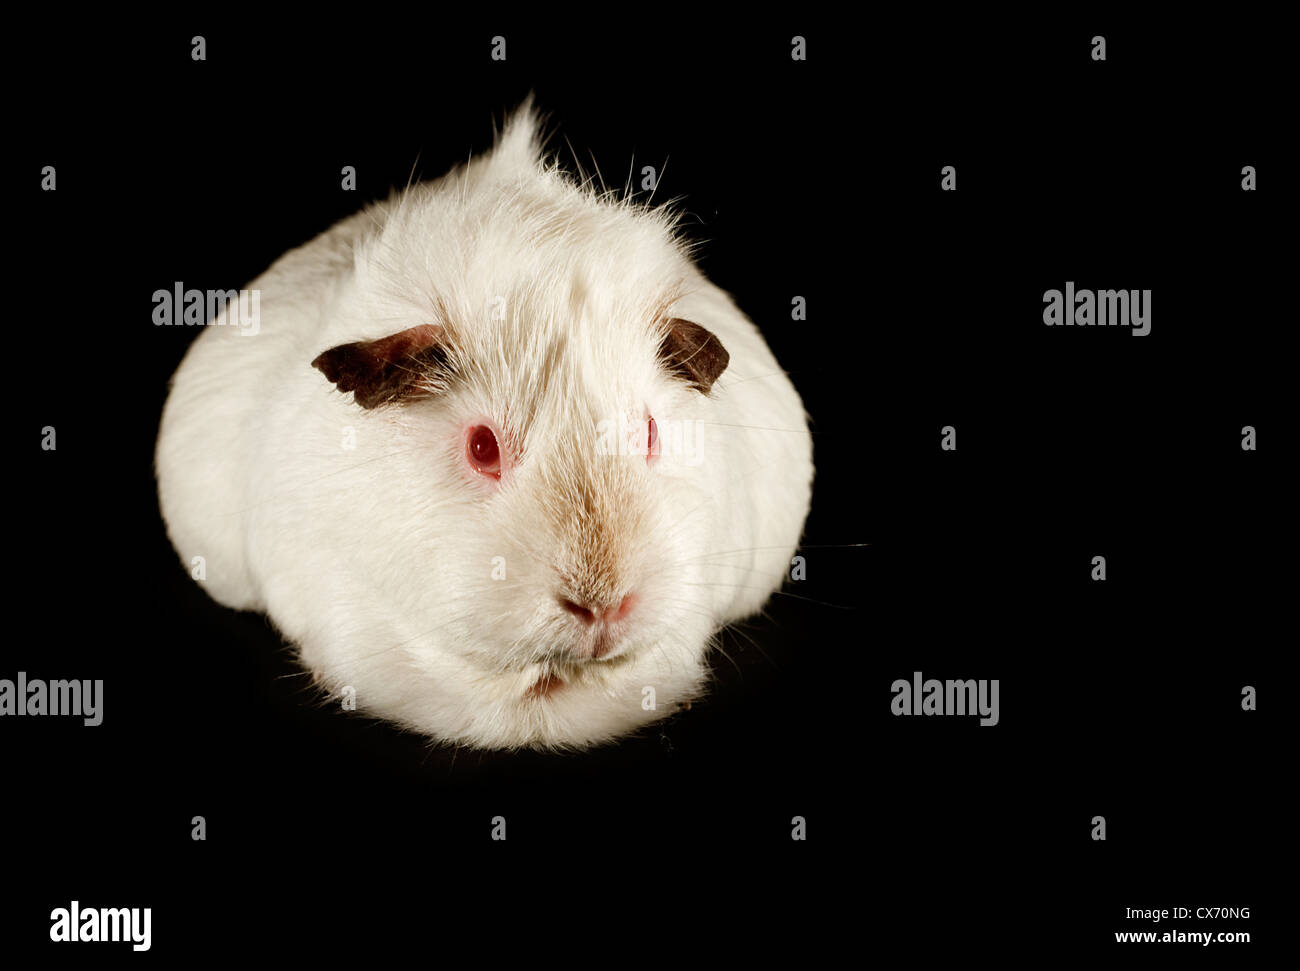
(564, 530)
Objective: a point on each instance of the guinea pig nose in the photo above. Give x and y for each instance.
(584, 614)
(589, 614)
(622, 610)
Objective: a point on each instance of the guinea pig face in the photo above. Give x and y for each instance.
(555, 549)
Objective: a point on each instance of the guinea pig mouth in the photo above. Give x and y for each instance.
(556, 676)
(603, 644)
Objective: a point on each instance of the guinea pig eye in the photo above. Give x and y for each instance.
(651, 441)
(483, 452)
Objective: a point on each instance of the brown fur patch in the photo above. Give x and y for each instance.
(693, 353)
(386, 370)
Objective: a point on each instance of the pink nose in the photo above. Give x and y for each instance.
(589, 614)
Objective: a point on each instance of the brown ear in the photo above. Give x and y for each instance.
(386, 370)
(693, 354)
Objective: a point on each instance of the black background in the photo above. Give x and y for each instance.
(818, 179)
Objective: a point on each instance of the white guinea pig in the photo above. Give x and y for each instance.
(496, 458)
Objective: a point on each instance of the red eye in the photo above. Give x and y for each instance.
(483, 452)
(651, 442)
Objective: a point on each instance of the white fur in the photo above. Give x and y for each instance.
(376, 562)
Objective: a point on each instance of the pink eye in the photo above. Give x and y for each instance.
(652, 442)
(483, 452)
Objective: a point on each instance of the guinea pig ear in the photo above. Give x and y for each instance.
(693, 353)
(387, 370)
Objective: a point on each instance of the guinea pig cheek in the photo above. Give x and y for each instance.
(485, 451)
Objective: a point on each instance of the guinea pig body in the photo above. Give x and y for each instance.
(497, 457)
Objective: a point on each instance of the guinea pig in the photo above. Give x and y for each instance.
(496, 458)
